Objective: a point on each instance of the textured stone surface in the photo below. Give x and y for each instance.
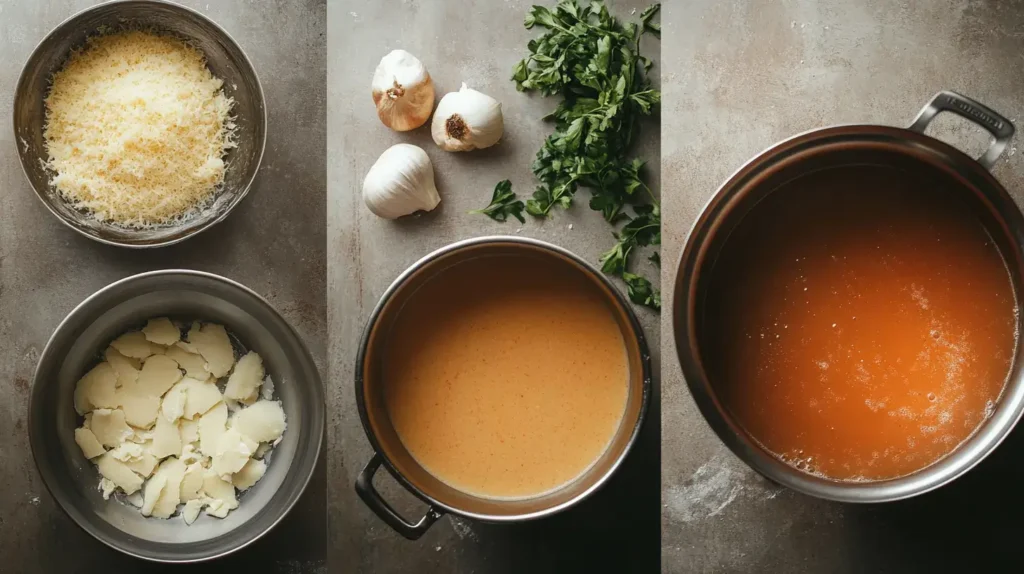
(477, 43)
(274, 243)
(738, 77)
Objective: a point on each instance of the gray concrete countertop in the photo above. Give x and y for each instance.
(274, 243)
(740, 76)
(477, 43)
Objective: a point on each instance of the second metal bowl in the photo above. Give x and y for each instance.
(127, 304)
(224, 58)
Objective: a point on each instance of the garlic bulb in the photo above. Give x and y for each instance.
(466, 120)
(400, 182)
(402, 91)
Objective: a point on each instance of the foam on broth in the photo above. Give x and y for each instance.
(860, 323)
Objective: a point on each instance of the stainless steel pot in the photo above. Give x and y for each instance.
(127, 304)
(225, 59)
(868, 147)
(388, 448)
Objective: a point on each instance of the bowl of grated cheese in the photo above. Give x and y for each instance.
(107, 331)
(139, 123)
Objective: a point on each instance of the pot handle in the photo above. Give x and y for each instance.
(380, 507)
(969, 109)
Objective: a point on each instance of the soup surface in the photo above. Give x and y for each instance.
(506, 376)
(861, 323)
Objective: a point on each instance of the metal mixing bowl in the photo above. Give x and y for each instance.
(868, 147)
(388, 447)
(224, 58)
(127, 304)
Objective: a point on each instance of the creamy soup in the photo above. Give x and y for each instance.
(860, 323)
(506, 376)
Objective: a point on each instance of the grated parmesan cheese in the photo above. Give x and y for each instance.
(136, 129)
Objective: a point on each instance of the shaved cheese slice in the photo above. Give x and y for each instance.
(133, 344)
(173, 405)
(193, 363)
(96, 389)
(151, 494)
(200, 397)
(166, 439)
(170, 495)
(211, 426)
(185, 345)
(221, 494)
(144, 464)
(213, 344)
(87, 441)
(140, 408)
(233, 451)
(263, 421)
(116, 472)
(250, 474)
(159, 373)
(127, 369)
(244, 383)
(189, 454)
(191, 511)
(161, 331)
(192, 482)
(136, 457)
(189, 431)
(127, 451)
(109, 427)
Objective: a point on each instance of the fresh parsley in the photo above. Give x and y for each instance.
(593, 63)
(503, 203)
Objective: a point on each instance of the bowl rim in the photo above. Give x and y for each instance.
(262, 144)
(36, 391)
(519, 241)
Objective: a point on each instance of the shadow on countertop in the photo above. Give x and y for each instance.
(971, 525)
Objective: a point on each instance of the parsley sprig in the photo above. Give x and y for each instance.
(594, 64)
(503, 203)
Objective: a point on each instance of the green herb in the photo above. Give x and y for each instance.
(646, 16)
(641, 291)
(594, 64)
(641, 231)
(503, 204)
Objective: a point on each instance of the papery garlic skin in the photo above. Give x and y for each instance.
(400, 182)
(466, 120)
(402, 91)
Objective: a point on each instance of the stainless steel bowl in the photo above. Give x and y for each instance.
(388, 448)
(867, 147)
(224, 58)
(127, 304)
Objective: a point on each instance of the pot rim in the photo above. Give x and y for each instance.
(192, 233)
(395, 285)
(968, 454)
(36, 389)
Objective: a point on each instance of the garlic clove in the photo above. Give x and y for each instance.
(402, 91)
(400, 182)
(466, 120)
